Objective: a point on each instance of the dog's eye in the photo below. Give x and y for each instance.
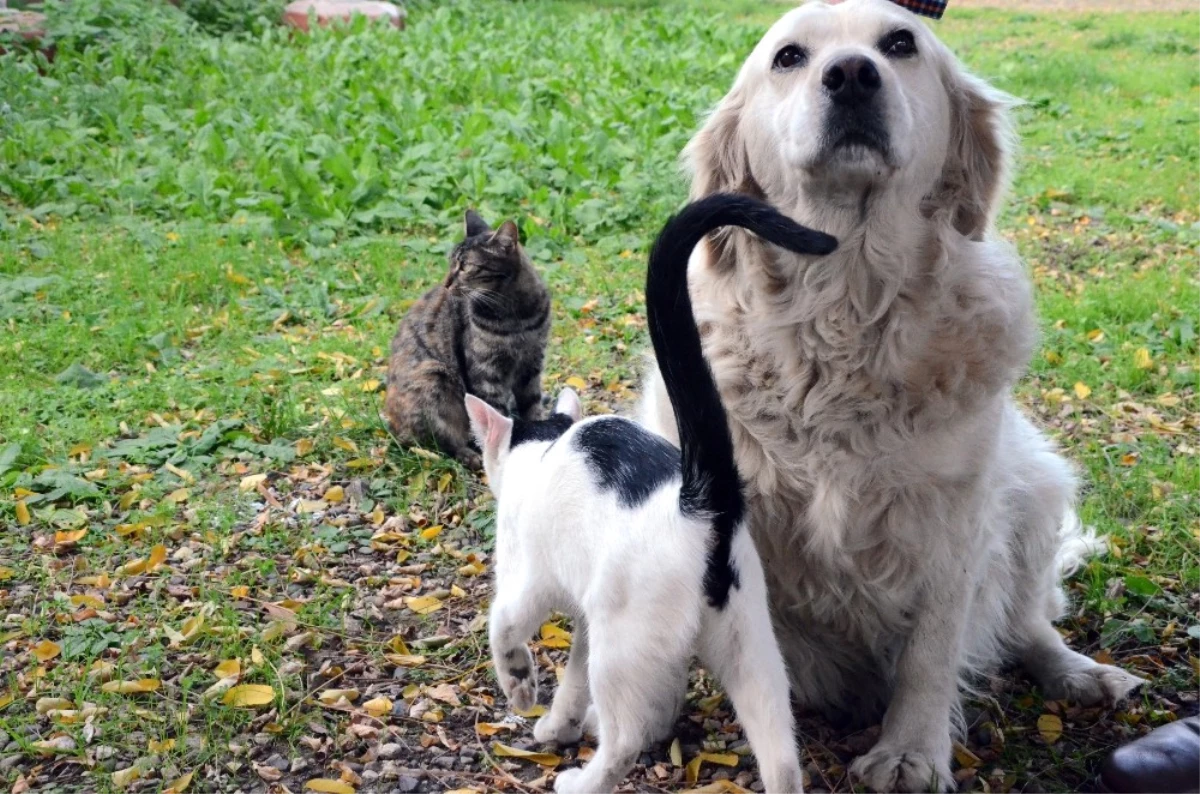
(898, 44)
(789, 57)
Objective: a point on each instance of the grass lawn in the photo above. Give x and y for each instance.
(214, 564)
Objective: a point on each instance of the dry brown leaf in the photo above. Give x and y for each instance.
(46, 705)
(722, 787)
(122, 778)
(332, 696)
(251, 481)
(404, 659)
(541, 759)
(444, 692)
(56, 744)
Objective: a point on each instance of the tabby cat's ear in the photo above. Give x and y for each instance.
(475, 225)
(508, 233)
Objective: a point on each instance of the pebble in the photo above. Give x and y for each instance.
(407, 783)
(299, 765)
(9, 761)
(104, 752)
(279, 762)
(388, 751)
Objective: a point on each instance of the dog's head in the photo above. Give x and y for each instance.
(840, 101)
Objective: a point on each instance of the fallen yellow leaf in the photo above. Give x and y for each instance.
(304, 446)
(177, 496)
(722, 787)
(132, 687)
(429, 533)
(85, 600)
(249, 695)
(165, 746)
(179, 784)
(252, 481)
(492, 728)
(102, 581)
(158, 555)
(378, 707)
(63, 538)
(676, 753)
(692, 770)
(1142, 359)
(1082, 390)
(345, 443)
(1050, 727)
(45, 650)
(6, 699)
(405, 659)
(335, 494)
(58, 744)
(423, 605)
(332, 696)
(555, 637)
(239, 591)
(229, 668)
(474, 568)
(22, 513)
(577, 383)
(541, 759)
(328, 786)
(123, 777)
(46, 705)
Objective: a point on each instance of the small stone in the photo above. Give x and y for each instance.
(390, 770)
(104, 752)
(388, 751)
(279, 762)
(9, 761)
(407, 783)
(298, 765)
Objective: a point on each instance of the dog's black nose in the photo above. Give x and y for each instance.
(851, 80)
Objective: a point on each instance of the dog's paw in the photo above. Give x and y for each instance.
(569, 782)
(900, 769)
(1093, 685)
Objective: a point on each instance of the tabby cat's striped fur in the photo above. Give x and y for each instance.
(483, 331)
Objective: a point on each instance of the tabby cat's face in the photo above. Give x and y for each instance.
(486, 259)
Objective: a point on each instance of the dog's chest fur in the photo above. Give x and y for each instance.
(828, 384)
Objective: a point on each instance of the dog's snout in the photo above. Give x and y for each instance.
(851, 80)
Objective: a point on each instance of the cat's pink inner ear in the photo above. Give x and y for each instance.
(498, 431)
(480, 414)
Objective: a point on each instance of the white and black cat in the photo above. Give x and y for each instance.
(643, 544)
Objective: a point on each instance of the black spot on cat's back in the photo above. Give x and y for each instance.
(549, 429)
(627, 458)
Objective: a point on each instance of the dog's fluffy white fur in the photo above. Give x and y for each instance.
(913, 523)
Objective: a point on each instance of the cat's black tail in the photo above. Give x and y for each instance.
(711, 485)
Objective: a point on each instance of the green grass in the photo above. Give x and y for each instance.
(205, 244)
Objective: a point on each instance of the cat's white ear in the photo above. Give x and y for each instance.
(509, 233)
(568, 403)
(474, 224)
(491, 428)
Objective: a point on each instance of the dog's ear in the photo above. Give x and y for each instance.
(976, 172)
(716, 156)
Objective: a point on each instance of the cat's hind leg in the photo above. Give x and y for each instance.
(635, 668)
(569, 716)
(738, 646)
(514, 617)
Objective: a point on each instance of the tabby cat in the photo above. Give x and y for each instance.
(482, 331)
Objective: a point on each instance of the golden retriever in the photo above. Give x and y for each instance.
(915, 526)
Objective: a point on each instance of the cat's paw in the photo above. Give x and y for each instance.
(887, 768)
(568, 782)
(471, 461)
(559, 730)
(521, 692)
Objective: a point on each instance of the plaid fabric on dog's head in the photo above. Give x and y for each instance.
(928, 8)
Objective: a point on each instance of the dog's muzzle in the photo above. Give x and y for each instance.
(855, 116)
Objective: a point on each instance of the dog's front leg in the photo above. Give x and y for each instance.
(913, 751)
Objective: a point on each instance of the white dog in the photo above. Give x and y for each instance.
(914, 525)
